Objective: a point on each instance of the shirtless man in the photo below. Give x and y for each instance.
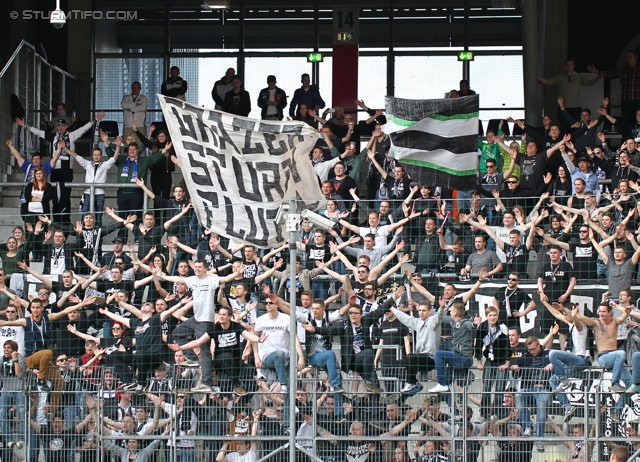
(605, 330)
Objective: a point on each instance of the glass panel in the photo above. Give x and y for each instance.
(426, 77)
(210, 70)
(372, 80)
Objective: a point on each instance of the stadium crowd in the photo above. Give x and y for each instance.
(177, 331)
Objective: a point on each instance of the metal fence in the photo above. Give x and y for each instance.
(95, 419)
(39, 87)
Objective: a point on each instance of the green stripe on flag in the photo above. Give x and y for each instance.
(455, 116)
(440, 168)
(409, 123)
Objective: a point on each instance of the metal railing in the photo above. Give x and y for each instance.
(39, 86)
(327, 432)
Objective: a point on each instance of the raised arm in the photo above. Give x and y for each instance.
(269, 272)
(15, 153)
(146, 190)
(424, 292)
(551, 240)
(121, 319)
(169, 223)
(382, 279)
(599, 246)
(130, 308)
(482, 275)
(45, 280)
(555, 310)
(72, 329)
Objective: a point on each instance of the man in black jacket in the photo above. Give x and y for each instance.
(222, 87)
(237, 101)
(272, 100)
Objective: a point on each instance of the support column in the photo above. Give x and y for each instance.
(79, 55)
(345, 57)
(533, 110)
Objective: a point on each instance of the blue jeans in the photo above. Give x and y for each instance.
(635, 366)
(327, 360)
(9, 399)
(277, 361)
(565, 363)
(183, 454)
(98, 207)
(542, 402)
(615, 360)
(554, 381)
(463, 200)
(320, 288)
(453, 360)
(603, 271)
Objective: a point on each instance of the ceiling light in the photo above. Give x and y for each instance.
(215, 4)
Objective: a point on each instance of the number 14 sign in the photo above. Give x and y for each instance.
(346, 26)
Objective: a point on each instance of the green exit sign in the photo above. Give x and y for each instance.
(465, 56)
(345, 37)
(315, 57)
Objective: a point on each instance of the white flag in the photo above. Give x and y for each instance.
(238, 171)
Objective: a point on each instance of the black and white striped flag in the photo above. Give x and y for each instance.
(435, 140)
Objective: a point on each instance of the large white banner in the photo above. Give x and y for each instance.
(239, 171)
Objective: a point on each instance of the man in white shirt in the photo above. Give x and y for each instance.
(135, 108)
(274, 353)
(203, 288)
(96, 172)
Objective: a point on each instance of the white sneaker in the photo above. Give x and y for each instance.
(283, 389)
(527, 431)
(439, 389)
(407, 387)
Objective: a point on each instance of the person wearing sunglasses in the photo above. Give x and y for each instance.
(512, 302)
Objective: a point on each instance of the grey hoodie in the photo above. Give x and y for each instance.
(463, 336)
(427, 331)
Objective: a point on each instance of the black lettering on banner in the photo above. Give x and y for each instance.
(199, 179)
(196, 164)
(230, 226)
(211, 196)
(269, 128)
(252, 223)
(293, 132)
(224, 137)
(242, 182)
(199, 112)
(208, 213)
(242, 124)
(252, 237)
(290, 168)
(268, 185)
(258, 149)
(269, 138)
(188, 129)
